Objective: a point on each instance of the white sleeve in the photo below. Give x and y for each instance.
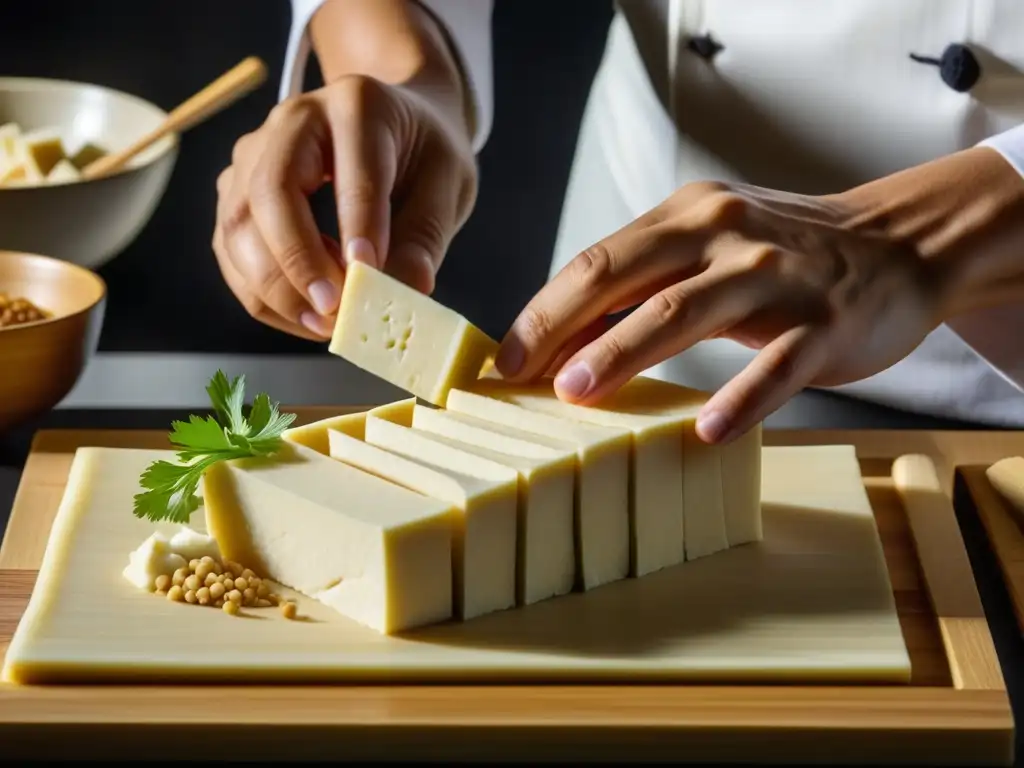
(468, 24)
(1010, 144)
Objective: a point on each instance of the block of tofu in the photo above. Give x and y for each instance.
(41, 150)
(1007, 477)
(374, 551)
(484, 492)
(656, 462)
(483, 555)
(601, 508)
(87, 154)
(720, 493)
(13, 173)
(545, 551)
(63, 171)
(10, 143)
(314, 434)
(741, 487)
(405, 337)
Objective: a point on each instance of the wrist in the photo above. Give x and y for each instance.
(963, 214)
(396, 42)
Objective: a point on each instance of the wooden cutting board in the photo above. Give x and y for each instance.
(1004, 528)
(954, 708)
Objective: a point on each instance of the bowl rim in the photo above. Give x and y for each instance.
(170, 140)
(89, 274)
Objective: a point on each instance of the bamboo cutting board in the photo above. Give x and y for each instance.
(955, 708)
(812, 602)
(1004, 529)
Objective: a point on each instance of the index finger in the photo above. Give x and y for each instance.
(291, 167)
(594, 284)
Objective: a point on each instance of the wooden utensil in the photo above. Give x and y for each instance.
(944, 561)
(225, 90)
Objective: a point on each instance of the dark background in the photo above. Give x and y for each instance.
(166, 293)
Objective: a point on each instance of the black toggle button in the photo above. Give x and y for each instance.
(704, 46)
(958, 67)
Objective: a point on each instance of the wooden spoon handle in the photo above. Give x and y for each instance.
(225, 90)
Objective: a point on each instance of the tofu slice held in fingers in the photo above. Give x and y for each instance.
(601, 512)
(484, 493)
(406, 337)
(545, 550)
(372, 550)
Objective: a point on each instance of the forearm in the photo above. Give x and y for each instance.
(964, 215)
(396, 42)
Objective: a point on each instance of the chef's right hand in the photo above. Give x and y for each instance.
(404, 181)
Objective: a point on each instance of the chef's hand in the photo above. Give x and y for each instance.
(825, 301)
(404, 180)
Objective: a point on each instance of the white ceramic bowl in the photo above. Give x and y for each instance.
(84, 222)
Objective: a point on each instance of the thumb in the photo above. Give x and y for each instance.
(365, 164)
(423, 228)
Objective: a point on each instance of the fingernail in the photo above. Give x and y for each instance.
(412, 265)
(510, 357)
(314, 323)
(576, 380)
(361, 249)
(713, 427)
(323, 296)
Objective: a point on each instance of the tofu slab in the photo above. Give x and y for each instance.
(374, 551)
(601, 514)
(483, 555)
(405, 337)
(545, 556)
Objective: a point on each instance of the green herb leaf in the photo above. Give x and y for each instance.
(203, 441)
(227, 399)
(198, 436)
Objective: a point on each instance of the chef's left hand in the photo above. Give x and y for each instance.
(824, 295)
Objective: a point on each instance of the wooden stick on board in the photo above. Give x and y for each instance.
(222, 92)
(947, 571)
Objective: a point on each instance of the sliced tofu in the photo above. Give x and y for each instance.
(485, 494)
(545, 552)
(374, 551)
(63, 172)
(41, 150)
(14, 174)
(720, 485)
(10, 144)
(405, 337)
(656, 462)
(315, 434)
(88, 153)
(741, 487)
(601, 514)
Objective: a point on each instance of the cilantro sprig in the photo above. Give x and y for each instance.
(203, 441)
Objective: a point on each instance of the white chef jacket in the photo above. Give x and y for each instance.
(771, 107)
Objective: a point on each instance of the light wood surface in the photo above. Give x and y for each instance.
(1004, 531)
(40, 362)
(942, 717)
(222, 92)
(965, 634)
(810, 603)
